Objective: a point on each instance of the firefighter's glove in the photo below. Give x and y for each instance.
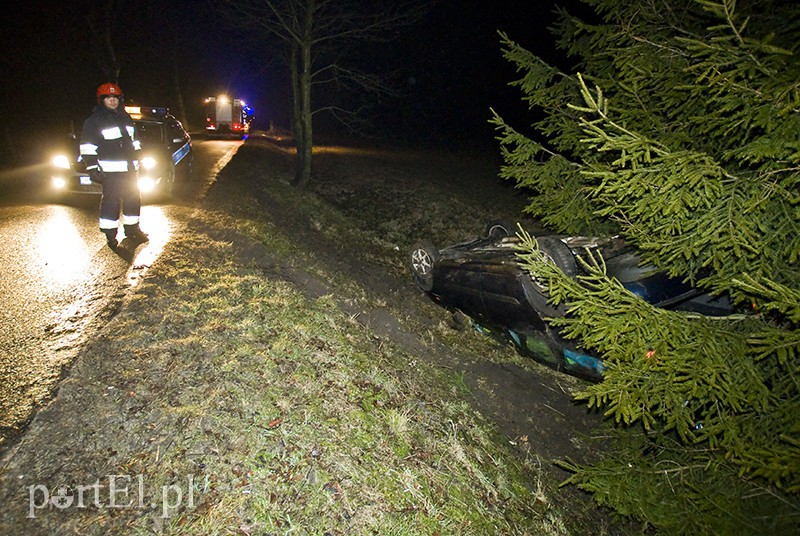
(97, 176)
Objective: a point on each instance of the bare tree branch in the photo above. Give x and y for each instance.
(318, 37)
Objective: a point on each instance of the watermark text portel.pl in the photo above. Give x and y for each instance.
(113, 491)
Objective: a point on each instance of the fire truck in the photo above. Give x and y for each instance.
(227, 117)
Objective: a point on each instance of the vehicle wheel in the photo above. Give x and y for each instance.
(424, 257)
(500, 229)
(167, 186)
(556, 252)
(171, 180)
(559, 253)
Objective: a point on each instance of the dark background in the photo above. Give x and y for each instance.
(175, 53)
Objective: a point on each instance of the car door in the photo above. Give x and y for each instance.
(180, 144)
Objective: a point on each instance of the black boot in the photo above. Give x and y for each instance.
(111, 237)
(134, 233)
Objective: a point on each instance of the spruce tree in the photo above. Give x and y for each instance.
(679, 129)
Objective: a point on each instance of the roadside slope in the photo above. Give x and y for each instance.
(277, 367)
(382, 203)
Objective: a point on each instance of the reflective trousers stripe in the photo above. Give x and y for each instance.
(106, 225)
(120, 194)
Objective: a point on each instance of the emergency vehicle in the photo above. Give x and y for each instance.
(227, 117)
(166, 151)
(166, 148)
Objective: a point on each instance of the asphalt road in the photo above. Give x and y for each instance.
(59, 283)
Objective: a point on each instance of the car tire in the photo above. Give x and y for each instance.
(424, 257)
(558, 252)
(500, 229)
(166, 188)
(170, 185)
(555, 251)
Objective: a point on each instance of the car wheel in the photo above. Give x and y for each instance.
(424, 257)
(500, 229)
(557, 253)
(171, 180)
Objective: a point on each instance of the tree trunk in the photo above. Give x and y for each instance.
(303, 137)
(178, 93)
(295, 80)
(304, 141)
(332, 29)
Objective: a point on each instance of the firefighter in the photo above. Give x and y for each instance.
(110, 152)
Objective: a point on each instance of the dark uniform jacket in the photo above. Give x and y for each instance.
(107, 141)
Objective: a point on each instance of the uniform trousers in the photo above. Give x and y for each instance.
(120, 192)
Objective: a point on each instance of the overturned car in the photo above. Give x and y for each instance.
(483, 278)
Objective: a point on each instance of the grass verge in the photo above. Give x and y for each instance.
(239, 405)
(316, 429)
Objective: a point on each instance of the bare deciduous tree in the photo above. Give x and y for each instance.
(101, 26)
(319, 36)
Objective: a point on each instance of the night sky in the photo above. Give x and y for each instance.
(449, 64)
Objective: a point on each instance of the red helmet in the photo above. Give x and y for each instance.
(108, 89)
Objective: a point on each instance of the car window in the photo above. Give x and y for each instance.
(176, 131)
(149, 132)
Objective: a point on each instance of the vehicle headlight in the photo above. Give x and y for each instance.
(148, 162)
(146, 184)
(61, 161)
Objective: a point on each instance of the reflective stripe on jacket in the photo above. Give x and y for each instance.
(103, 143)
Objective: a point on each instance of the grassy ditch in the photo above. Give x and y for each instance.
(343, 433)
(307, 425)
(240, 403)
